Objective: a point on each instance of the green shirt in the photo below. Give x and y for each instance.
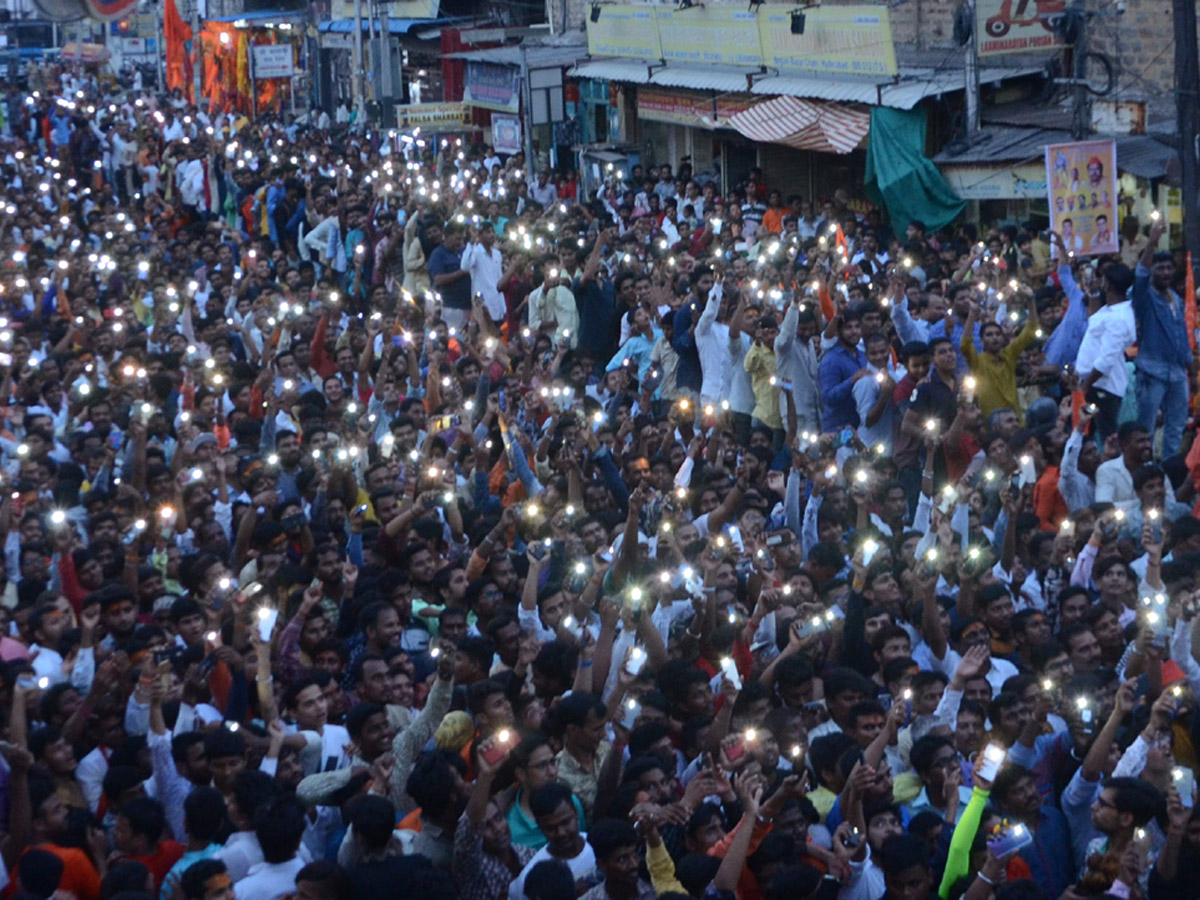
(525, 831)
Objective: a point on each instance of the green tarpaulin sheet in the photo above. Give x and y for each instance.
(900, 178)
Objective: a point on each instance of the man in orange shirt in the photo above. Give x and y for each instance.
(773, 217)
(48, 823)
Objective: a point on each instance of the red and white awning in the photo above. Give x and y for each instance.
(804, 124)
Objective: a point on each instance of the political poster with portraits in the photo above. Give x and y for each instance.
(1081, 180)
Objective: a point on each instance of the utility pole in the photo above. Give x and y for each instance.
(971, 75)
(360, 102)
(1080, 115)
(198, 65)
(1187, 95)
(386, 88)
(527, 118)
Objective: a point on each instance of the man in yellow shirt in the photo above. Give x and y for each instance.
(760, 365)
(995, 369)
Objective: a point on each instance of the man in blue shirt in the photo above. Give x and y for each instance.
(1050, 858)
(840, 368)
(451, 279)
(690, 375)
(1164, 363)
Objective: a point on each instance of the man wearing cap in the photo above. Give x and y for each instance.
(1164, 364)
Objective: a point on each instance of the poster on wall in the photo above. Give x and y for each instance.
(506, 134)
(1002, 26)
(492, 87)
(1081, 180)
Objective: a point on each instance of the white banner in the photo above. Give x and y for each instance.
(273, 61)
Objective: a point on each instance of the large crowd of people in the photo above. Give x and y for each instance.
(382, 521)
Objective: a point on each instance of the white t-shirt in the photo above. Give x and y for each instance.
(581, 866)
(269, 881)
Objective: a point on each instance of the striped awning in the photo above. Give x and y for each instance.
(804, 124)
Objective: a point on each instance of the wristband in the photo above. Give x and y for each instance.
(585, 663)
(984, 878)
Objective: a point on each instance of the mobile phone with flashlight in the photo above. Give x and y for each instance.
(499, 747)
(993, 756)
(636, 661)
(1185, 783)
(1011, 838)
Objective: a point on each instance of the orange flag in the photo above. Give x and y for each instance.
(176, 33)
(1189, 304)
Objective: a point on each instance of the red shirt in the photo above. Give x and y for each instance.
(165, 855)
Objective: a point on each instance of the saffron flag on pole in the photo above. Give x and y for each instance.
(1189, 304)
(176, 34)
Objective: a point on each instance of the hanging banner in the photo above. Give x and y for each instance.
(850, 40)
(847, 40)
(397, 9)
(493, 87)
(709, 34)
(695, 109)
(506, 134)
(434, 117)
(1082, 184)
(1005, 26)
(107, 10)
(624, 30)
(273, 61)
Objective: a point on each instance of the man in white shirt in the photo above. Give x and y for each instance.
(481, 258)
(543, 193)
(553, 303)
(252, 789)
(1101, 360)
(279, 827)
(712, 344)
(557, 818)
(172, 127)
(1114, 479)
(124, 149)
(189, 175)
(47, 624)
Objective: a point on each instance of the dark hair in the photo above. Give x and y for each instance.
(924, 750)
(196, 876)
(573, 710)
(825, 751)
(903, 851)
(252, 789)
(306, 680)
(1126, 430)
(221, 743)
(40, 872)
(279, 826)
(145, 817)
(357, 717)
(126, 875)
(373, 818)
(1137, 797)
(431, 782)
(1006, 780)
(551, 879)
(609, 835)
(546, 799)
(478, 693)
(334, 882)
(204, 813)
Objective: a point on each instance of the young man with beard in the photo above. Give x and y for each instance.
(370, 730)
(484, 858)
(1049, 857)
(325, 743)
